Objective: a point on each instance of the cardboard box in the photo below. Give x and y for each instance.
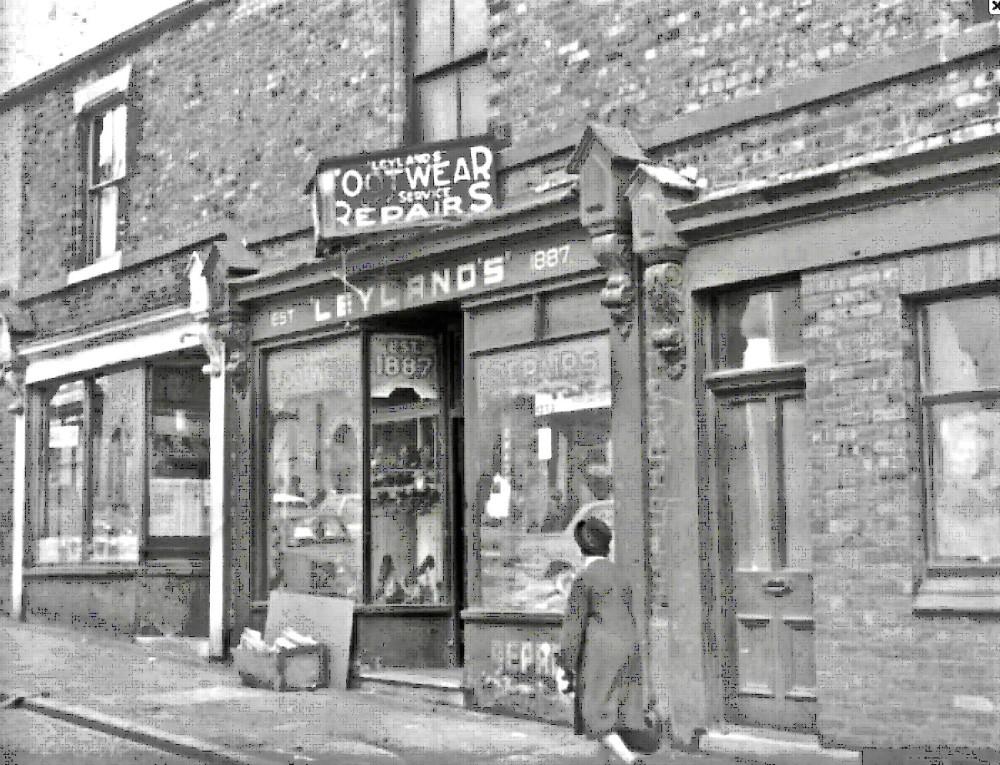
(302, 668)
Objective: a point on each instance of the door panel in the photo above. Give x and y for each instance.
(761, 459)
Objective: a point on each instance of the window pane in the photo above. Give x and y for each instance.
(795, 478)
(408, 554)
(117, 432)
(474, 86)
(543, 456)
(432, 36)
(965, 479)
(108, 145)
(437, 107)
(313, 448)
(179, 499)
(760, 328)
(106, 224)
(964, 344)
(571, 311)
(471, 27)
(61, 522)
(744, 441)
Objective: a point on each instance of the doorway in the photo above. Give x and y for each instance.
(765, 540)
(415, 581)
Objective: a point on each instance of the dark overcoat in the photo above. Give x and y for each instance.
(600, 646)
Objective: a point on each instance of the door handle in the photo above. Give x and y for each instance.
(776, 587)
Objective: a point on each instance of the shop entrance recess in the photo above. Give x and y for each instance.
(764, 519)
(415, 584)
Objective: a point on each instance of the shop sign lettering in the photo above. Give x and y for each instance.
(391, 189)
(336, 303)
(524, 658)
(523, 677)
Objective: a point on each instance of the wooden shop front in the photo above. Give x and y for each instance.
(434, 416)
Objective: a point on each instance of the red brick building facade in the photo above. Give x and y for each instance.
(778, 411)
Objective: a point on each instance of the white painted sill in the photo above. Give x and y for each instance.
(958, 594)
(95, 269)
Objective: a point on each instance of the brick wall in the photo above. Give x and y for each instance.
(10, 199)
(887, 677)
(562, 63)
(230, 112)
(6, 499)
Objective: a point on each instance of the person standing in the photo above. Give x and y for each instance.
(600, 647)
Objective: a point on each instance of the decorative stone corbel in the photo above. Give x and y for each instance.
(614, 254)
(665, 297)
(226, 345)
(16, 326)
(604, 161)
(652, 192)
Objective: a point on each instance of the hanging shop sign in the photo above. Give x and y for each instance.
(395, 189)
(334, 303)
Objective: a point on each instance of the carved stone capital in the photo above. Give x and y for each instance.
(227, 345)
(664, 283)
(12, 376)
(614, 254)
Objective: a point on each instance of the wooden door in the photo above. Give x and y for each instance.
(765, 524)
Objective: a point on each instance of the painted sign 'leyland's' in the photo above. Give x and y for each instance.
(393, 189)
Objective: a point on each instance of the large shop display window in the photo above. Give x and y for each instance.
(179, 502)
(91, 493)
(960, 387)
(313, 446)
(544, 457)
(407, 471)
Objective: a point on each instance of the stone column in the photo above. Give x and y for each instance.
(13, 379)
(225, 343)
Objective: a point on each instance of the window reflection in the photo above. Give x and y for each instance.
(759, 328)
(313, 448)
(117, 433)
(179, 500)
(407, 472)
(966, 480)
(59, 538)
(545, 459)
(963, 363)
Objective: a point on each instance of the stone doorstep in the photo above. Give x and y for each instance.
(442, 686)
(769, 747)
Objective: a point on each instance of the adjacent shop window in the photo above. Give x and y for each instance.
(758, 328)
(92, 491)
(544, 457)
(60, 529)
(313, 443)
(179, 502)
(106, 145)
(450, 77)
(408, 486)
(960, 385)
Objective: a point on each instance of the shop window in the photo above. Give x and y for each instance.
(313, 443)
(61, 525)
(91, 503)
(179, 500)
(960, 386)
(758, 328)
(449, 74)
(544, 457)
(408, 486)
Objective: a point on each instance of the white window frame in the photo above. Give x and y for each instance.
(90, 103)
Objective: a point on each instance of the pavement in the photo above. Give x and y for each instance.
(189, 707)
